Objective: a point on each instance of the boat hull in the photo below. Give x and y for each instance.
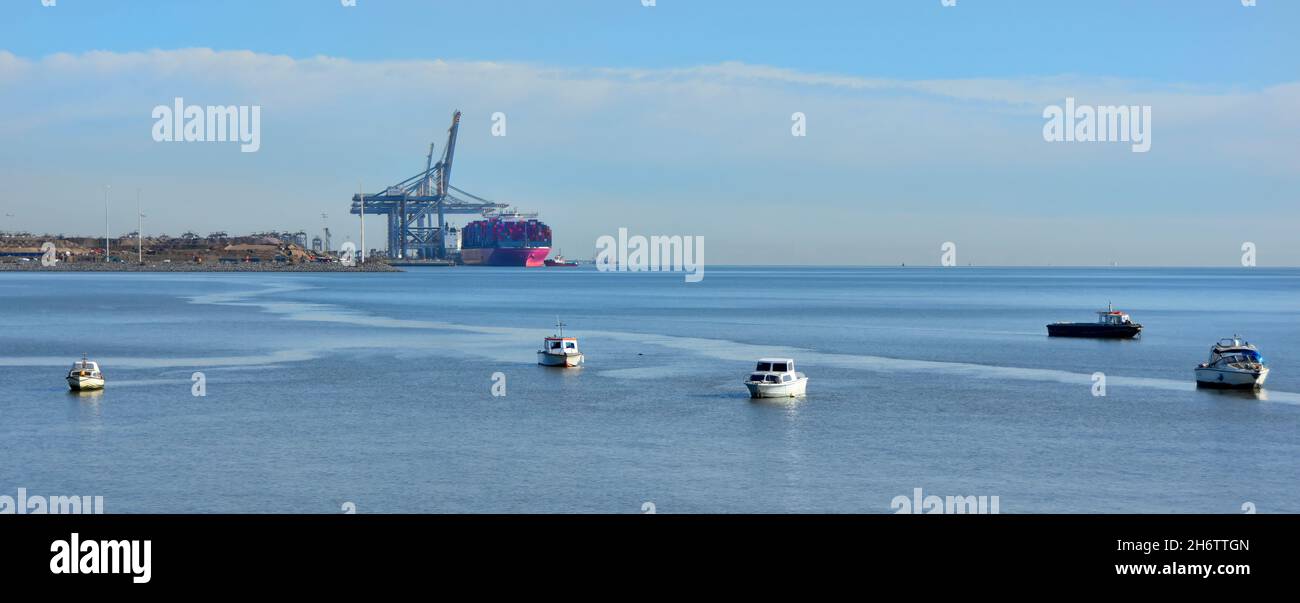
(792, 389)
(530, 257)
(1218, 378)
(81, 384)
(1093, 330)
(561, 360)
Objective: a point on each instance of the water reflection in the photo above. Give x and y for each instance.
(790, 405)
(87, 409)
(1240, 394)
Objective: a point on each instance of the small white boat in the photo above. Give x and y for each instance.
(560, 350)
(776, 378)
(1233, 363)
(85, 376)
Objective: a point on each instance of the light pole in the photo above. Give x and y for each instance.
(106, 189)
(362, 192)
(139, 232)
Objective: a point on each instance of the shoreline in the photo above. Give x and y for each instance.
(190, 267)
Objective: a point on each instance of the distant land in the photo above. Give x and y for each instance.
(189, 252)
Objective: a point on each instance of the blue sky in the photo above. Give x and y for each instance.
(924, 121)
(1206, 41)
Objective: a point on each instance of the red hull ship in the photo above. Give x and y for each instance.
(509, 239)
(500, 256)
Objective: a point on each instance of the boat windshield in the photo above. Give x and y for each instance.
(764, 366)
(779, 367)
(555, 345)
(569, 345)
(1247, 356)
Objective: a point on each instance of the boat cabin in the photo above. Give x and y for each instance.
(560, 345)
(84, 368)
(774, 370)
(772, 378)
(1234, 351)
(1113, 317)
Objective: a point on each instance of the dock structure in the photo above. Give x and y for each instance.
(416, 208)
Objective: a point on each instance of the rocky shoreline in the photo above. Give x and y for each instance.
(35, 266)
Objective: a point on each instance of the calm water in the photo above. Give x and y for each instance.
(376, 389)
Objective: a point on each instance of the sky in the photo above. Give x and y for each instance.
(924, 122)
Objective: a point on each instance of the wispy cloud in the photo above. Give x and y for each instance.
(596, 147)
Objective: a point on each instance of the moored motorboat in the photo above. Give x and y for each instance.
(776, 378)
(560, 350)
(1110, 324)
(1233, 364)
(85, 375)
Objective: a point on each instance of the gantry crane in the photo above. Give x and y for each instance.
(412, 204)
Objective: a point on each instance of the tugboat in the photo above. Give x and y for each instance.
(560, 350)
(1233, 364)
(776, 378)
(85, 376)
(1111, 324)
(559, 262)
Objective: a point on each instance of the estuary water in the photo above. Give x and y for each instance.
(326, 391)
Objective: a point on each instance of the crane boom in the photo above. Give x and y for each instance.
(448, 153)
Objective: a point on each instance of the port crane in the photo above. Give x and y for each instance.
(412, 205)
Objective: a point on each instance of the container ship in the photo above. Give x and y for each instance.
(506, 239)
